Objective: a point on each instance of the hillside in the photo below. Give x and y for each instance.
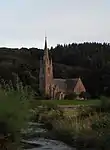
(90, 61)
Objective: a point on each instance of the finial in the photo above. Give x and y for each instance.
(45, 35)
(46, 55)
(45, 41)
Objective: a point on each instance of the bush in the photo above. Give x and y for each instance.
(84, 112)
(71, 96)
(14, 113)
(84, 95)
(105, 104)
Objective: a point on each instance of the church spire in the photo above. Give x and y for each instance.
(45, 48)
(46, 55)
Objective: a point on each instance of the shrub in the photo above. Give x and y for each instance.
(14, 113)
(84, 95)
(105, 104)
(101, 122)
(84, 112)
(49, 105)
(71, 96)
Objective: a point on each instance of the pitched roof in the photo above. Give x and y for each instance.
(60, 83)
(71, 83)
(65, 84)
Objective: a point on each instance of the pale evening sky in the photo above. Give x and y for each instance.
(23, 22)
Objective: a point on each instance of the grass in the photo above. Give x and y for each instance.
(14, 115)
(71, 102)
(82, 127)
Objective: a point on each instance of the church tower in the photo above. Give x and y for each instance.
(46, 72)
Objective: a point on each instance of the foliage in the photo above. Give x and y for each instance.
(69, 102)
(83, 127)
(14, 114)
(84, 95)
(84, 112)
(71, 96)
(105, 104)
(90, 61)
(101, 122)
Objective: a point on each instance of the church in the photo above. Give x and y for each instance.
(56, 88)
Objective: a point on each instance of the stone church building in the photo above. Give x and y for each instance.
(56, 88)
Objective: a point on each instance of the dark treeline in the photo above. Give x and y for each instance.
(89, 61)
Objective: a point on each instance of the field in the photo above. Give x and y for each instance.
(71, 102)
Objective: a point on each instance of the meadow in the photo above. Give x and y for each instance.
(72, 102)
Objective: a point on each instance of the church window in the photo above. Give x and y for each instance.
(48, 69)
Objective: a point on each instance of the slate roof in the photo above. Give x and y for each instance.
(71, 83)
(60, 83)
(65, 84)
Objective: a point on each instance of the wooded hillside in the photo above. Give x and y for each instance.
(89, 61)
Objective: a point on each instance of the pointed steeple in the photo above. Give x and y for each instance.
(45, 48)
(46, 55)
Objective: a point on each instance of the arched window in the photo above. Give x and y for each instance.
(49, 70)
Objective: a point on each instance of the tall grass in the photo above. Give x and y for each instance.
(14, 114)
(84, 127)
(91, 132)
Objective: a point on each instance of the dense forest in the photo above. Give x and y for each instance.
(89, 61)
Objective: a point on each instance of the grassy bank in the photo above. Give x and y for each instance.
(66, 102)
(84, 127)
(14, 116)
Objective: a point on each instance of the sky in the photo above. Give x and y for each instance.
(23, 23)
